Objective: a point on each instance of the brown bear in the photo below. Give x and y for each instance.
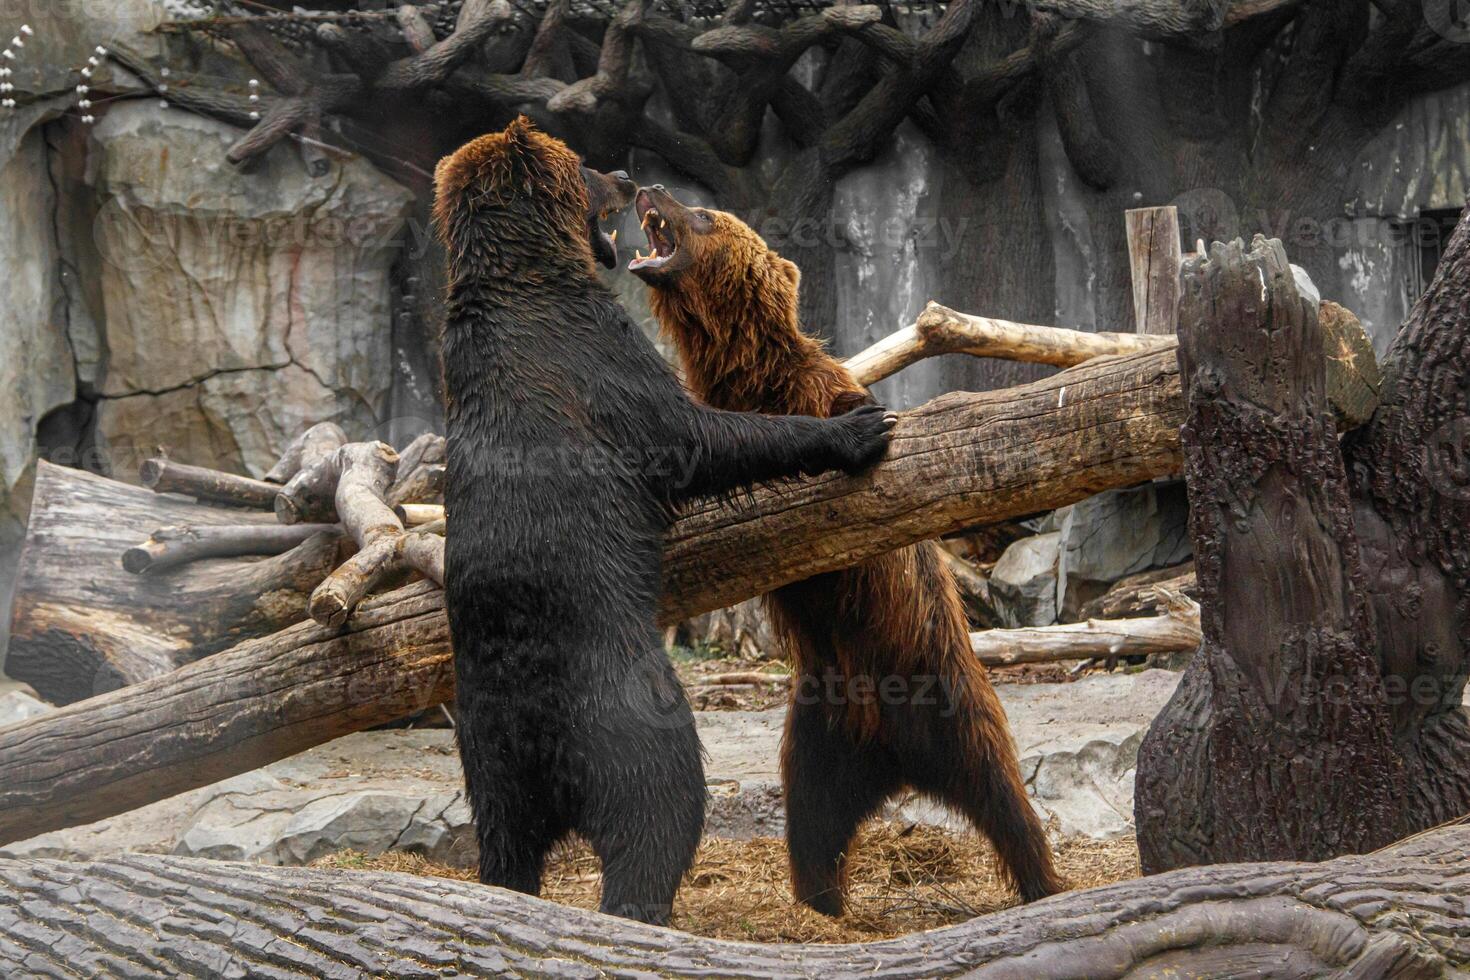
(570, 444)
(888, 693)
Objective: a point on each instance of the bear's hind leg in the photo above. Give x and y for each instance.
(516, 818)
(832, 786)
(646, 798)
(968, 762)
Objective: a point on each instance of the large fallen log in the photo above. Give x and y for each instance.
(83, 624)
(1398, 913)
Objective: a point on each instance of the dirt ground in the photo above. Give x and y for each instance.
(902, 880)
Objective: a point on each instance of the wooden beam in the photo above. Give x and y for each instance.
(1153, 258)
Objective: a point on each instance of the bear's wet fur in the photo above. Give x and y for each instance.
(730, 305)
(570, 445)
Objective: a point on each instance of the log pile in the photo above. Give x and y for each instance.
(1399, 913)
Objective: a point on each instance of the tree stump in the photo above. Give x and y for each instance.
(1324, 713)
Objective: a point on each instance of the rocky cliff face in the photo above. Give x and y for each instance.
(37, 373)
(160, 298)
(238, 308)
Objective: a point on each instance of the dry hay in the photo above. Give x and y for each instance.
(901, 880)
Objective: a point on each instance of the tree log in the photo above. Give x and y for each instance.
(162, 475)
(82, 625)
(940, 330)
(1178, 630)
(1277, 743)
(1398, 913)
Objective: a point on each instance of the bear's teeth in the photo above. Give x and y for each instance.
(612, 236)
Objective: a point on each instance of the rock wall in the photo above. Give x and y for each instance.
(239, 308)
(160, 298)
(37, 373)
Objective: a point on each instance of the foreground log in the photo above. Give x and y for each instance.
(1393, 914)
(1324, 713)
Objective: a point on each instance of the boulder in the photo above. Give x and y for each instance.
(18, 705)
(1115, 534)
(1023, 584)
(236, 306)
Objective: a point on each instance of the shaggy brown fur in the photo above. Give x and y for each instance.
(889, 694)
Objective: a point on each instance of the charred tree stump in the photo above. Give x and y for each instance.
(1397, 914)
(1411, 491)
(1279, 742)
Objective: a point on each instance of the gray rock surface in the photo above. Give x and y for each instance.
(19, 703)
(36, 369)
(401, 790)
(1023, 584)
(266, 292)
(1118, 533)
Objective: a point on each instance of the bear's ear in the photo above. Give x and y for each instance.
(788, 269)
(845, 401)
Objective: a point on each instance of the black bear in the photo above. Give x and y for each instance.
(570, 444)
(729, 304)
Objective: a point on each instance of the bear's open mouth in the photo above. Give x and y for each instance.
(660, 237)
(604, 244)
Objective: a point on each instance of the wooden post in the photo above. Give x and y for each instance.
(1153, 257)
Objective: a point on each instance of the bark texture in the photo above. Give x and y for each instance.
(83, 625)
(1411, 503)
(1397, 914)
(1295, 735)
